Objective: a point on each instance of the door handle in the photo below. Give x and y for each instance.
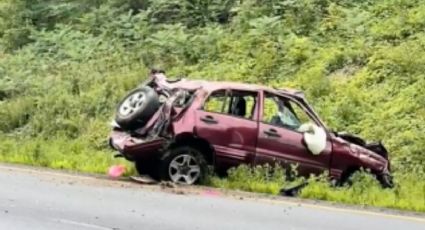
(209, 120)
(271, 133)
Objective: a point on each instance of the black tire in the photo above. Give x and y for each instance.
(174, 154)
(386, 180)
(346, 177)
(137, 108)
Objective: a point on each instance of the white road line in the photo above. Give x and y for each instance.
(81, 224)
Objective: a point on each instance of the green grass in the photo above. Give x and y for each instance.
(260, 180)
(60, 153)
(408, 194)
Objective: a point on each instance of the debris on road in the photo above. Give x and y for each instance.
(116, 171)
(210, 192)
(144, 179)
(293, 190)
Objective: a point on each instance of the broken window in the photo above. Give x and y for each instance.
(217, 102)
(283, 112)
(233, 102)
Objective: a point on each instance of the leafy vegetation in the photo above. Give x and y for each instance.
(364, 189)
(408, 194)
(65, 64)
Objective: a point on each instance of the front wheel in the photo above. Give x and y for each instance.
(183, 165)
(386, 180)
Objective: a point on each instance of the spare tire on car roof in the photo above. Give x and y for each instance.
(137, 108)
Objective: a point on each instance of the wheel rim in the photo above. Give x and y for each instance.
(184, 169)
(132, 104)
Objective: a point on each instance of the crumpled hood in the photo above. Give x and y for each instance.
(358, 142)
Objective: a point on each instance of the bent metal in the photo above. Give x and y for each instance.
(174, 129)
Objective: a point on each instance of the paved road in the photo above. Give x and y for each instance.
(34, 199)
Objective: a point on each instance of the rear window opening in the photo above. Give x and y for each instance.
(185, 99)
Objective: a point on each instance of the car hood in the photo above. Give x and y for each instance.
(360, 145)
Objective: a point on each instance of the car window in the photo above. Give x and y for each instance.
(299, 113)
(283, 112)
(234, 103)
(250, 106)
(217, 102)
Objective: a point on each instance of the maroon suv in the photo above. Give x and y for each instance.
(173, 130)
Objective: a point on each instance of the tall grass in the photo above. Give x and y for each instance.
(364, 189)
(78, 155)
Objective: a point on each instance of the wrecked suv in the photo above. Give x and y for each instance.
(174, 130)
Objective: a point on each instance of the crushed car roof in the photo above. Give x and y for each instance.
(216, 85)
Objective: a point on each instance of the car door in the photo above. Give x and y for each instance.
(280, 141)
(230, 125)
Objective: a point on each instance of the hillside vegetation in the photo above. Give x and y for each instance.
(64, 64)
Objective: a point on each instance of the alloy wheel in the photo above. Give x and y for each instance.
(184, 168)
(132, 103)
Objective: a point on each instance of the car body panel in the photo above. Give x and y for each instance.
(288, 149)
(233, 139)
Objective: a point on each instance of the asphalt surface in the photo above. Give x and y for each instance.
(37, 199)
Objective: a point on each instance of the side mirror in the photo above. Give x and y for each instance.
(314, 138)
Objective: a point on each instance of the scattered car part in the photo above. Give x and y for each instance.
(143, 179)
(116, 171)
(293, 190)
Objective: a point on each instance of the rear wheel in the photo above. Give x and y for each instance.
(184, 165)
(137, 108)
